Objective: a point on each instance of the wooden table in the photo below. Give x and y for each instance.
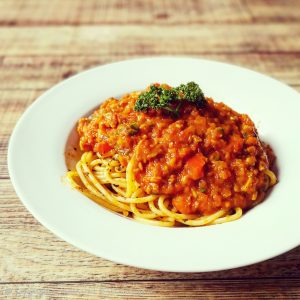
(43, 42)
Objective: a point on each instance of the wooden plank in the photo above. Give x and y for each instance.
(192, 289)
(35, 72)
(30, 253)
(277, 11)
(12, 105)
(151, 39)
(80, 12)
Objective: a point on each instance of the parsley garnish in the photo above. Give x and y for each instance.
(170, 100)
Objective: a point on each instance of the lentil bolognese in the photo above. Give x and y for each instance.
(169, 156)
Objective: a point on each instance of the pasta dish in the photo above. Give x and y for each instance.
(171, 156)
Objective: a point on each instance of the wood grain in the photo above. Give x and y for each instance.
(149, 39)
(179, 12)
(193, 289)
(41, 72)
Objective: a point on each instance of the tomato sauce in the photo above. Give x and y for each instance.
(206, 159)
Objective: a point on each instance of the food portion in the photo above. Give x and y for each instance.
(169, 156)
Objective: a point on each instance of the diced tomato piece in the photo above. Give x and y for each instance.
(86, 147)
(195, 166)
(102, 148)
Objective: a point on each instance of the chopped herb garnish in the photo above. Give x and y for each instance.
(134, 126)
(170, 99)
(134, 129)
(191, 92)
(220, 129)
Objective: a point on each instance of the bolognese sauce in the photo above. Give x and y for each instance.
(203, 158)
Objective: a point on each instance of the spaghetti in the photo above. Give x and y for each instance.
(207, 184)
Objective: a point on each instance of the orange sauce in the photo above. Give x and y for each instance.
(207, 159)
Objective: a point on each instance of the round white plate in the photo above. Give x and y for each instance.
(36, 165)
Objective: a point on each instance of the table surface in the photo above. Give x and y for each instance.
(43, 42)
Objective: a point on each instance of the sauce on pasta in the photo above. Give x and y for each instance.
(204, 161)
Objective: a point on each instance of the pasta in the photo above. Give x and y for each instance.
(219, 168)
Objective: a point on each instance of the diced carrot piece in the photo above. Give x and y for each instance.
(102, 148)
(195, 166)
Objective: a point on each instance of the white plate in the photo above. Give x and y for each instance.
(36, 165)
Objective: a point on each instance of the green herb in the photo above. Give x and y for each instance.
(191, 92)
(134, 129)
(170, 100)
(203, 190)
(220, 129)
